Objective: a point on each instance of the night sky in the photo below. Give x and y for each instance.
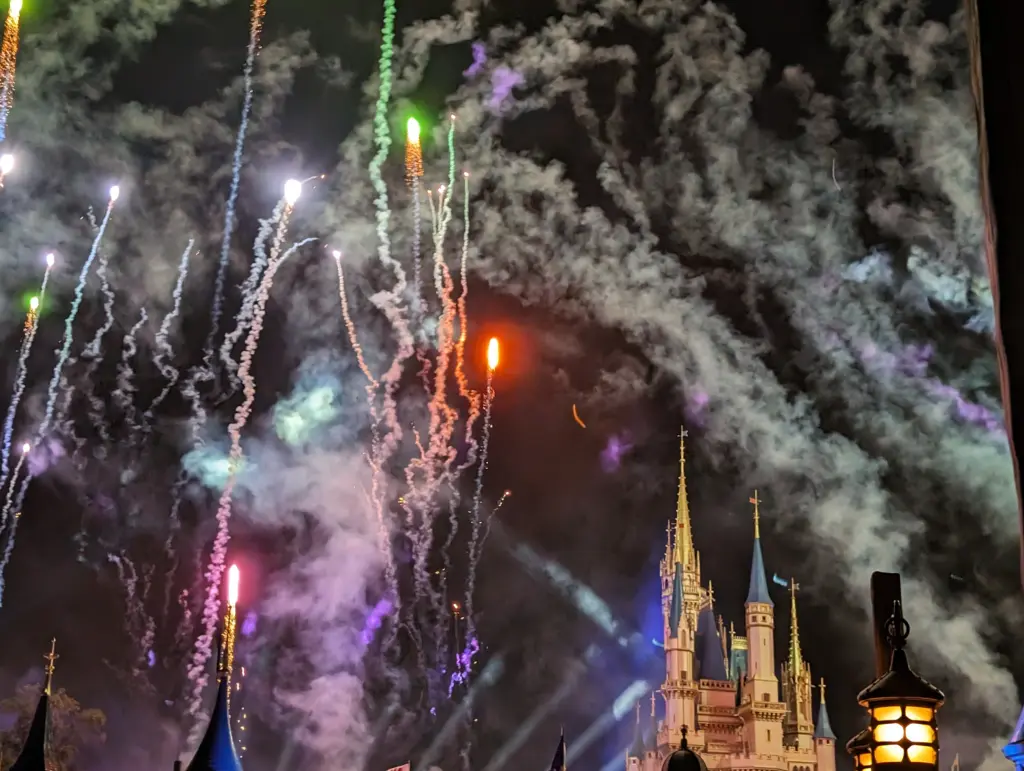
(757, 218)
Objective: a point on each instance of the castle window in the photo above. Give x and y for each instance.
(769, 732)
(766, 697)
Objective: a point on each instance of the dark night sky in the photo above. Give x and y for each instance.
(722, 279)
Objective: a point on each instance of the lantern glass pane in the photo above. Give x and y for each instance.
(888, 753)
(919, 733)
(919, 754)
(920, 714)
(884, 714)
(864, 760)
(888, 733)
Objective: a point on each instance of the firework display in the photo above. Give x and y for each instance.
(167, 414)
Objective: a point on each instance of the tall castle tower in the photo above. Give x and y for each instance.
(725, 697)
(798, 727)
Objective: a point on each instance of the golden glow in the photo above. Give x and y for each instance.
(888, 753)
(920, 733)
(885, 714)
(887, 733)
(920, 714)
(292, 191)
(919, 754)
(492, 354)
(9, 55)
(234, 577)
(15, 8)
(33, 304)
(864, 760)
(412, 131)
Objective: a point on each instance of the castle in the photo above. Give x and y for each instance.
(723, 700)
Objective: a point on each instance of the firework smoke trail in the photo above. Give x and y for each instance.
(215, 570)
(93, 353)
(65, 351)
(390, 303)
(22, 368)
(8, 63)
(69, 322)
(164, 352)
(125, 391)
(9, 499)
(255, 27)
(474, 542)
(279, 218)
(5, 515)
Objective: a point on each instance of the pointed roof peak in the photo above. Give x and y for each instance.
(51, 660)
(711, 656)
(684, 532)
(637, 749)
(796, 659)
(33, 754)
(217, 749)
(823, 729)
(758, 591)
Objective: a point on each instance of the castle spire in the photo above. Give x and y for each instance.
(51, 659)
(758, 591)
(684, 535)
(796, 659)
(217, 749)
(33, 754)
(823, 730)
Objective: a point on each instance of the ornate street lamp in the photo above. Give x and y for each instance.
(902, 734)
(859, 748)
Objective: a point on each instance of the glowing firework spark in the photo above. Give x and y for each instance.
(231, 622)
(8, 63)
(255, 28)
(6, 166)
(215, 570)
(31, 327)
(493, 355)
(413, 152)
(292, 191)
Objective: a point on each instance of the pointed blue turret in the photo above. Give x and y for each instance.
(758, 591)
(823, 728)
(217, 750)
(638, 748)
(709, 648)
(1014, 751)
(33, 754)
(676, 613)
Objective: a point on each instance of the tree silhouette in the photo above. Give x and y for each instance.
(72, 728)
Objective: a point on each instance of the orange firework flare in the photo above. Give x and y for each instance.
(492, 354)
(413, 152)
(8, 60)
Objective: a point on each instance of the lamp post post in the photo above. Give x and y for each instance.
(902, 734)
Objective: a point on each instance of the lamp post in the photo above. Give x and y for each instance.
(902, 734)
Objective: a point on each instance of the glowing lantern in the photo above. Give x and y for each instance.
(859, 748)
(902, 733)
(492, 354)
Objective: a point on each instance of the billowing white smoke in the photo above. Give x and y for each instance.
(712, 200)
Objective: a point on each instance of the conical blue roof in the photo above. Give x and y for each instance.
(217, 750)
(677, 603)
(1014, 751)
(33, 754)
(758, 591)
(709, 648)
(823, 728)
(638, 748)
